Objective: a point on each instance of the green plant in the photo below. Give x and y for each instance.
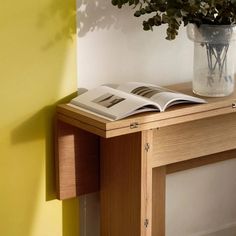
(175, 12)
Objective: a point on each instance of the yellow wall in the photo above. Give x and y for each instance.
(37, 69)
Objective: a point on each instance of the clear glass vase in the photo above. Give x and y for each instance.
(214, 59)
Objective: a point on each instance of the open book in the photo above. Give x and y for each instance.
(130, 98)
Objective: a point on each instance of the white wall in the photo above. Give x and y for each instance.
(113, 48)
(201, 201)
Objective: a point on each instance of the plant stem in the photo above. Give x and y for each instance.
(217, 60)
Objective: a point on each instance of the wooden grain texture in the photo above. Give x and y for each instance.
(77, 161)
(146, 182)
(201, 161)
(145, 121)
(158, 201)
(174, 115)
(125, 198)
(81, 115)
(134, 162)
(81, 125)
(194, 139)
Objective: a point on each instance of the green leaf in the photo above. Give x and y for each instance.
(176, 12)
(137, 14)
(114, 2)
(131, 2)
(142, 11)
(165, 18)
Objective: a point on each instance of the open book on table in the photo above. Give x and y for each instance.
(130, 98)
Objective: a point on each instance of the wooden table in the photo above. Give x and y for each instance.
(128, 160)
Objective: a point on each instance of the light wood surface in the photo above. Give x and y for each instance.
(121, 185)
(158, 201)
(77, 161)
(194, 139)
(146, 182)
(125, 186)
(201, 161)
(134, 155)
(174, 115)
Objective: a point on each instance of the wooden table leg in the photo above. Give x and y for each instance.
(77, 161)
(126, 185)
(158, 201)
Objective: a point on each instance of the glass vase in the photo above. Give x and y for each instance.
(214, 58)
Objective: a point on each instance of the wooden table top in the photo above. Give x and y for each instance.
(149, 120)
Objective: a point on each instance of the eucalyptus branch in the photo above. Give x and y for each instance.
(175, 12)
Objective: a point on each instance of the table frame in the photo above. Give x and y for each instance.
(129, 164)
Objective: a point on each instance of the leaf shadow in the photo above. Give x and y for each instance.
(102, 15)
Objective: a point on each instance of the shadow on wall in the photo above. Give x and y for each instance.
(112, 42)
(70, 212)
(102, 15)
(91, 15)
(28, 131)
(38, 69)
(57, 10)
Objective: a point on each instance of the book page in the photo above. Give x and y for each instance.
(112, 103)
(162, 96)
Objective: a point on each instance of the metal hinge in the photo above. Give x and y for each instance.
(146, 222)
(134, 125)
(147, 147)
